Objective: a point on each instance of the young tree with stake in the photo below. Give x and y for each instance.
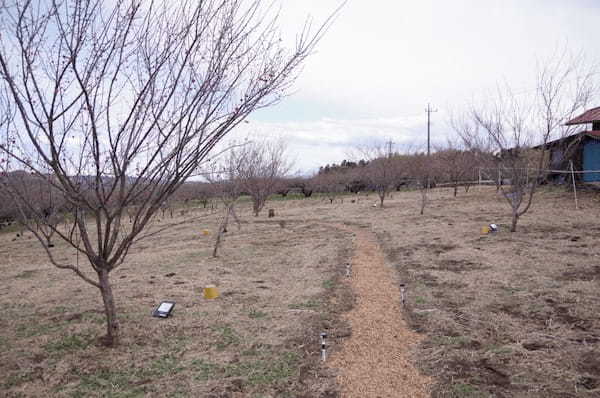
(123, 101)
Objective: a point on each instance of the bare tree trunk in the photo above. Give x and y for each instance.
(256, 208)
(515, 220)
(455, 189)
(381, 197)
(423, 199)
(498, 180)
(222, 229)
(112, 323)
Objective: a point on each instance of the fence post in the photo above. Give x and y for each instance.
(574, 187)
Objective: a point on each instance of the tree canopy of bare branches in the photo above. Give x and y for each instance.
(382, 171)
(118, 103)
(224, 178)
(263, 164)
(515, 123)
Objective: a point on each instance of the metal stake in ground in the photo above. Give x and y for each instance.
(323, 347)
(402, 292)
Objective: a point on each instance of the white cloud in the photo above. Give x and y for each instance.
(319, 142)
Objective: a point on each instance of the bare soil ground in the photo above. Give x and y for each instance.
(502, 315)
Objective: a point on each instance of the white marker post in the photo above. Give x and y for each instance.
(323, 347)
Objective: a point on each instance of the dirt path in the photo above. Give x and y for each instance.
(374, 360)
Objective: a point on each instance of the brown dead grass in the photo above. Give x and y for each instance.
(260, 338)
(504, 315)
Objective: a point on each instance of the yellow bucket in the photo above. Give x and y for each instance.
(485, 230)
(205, 232)
(211, 292)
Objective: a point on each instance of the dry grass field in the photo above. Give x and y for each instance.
(259, 338)
(502, 315)
(508, 314)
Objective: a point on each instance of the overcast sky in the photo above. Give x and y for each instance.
(382, 61)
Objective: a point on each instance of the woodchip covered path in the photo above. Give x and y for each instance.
(375, 360)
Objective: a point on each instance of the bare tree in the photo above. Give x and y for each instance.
(263, 164)
(514, 123)
(203, 193)
(224, 177)
(382, 171)
(306, 185)
(479, 145)
(458, 165)
(331, 184)
(420, 168)
(124, 100)
(566, 84)
(507, 121)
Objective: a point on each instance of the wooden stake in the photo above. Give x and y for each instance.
(574, 188)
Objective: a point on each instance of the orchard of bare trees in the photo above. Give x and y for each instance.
(116, 105)
(111, 112)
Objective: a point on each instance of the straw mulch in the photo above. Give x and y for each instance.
(375, 360)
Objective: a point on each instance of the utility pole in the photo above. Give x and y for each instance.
(429, 111)
(389, 145)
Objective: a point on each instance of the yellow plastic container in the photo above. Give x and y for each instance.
(485, 230)
(205, 232)
(211, 292)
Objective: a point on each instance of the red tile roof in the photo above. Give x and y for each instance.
(592, 115)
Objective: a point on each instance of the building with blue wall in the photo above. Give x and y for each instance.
(581, 148)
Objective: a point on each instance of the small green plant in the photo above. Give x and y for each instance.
(166, 365)
(328, 284)
(256, 314)
(68, 343)
(27, 274)
(226, 337)
(111, 383)
(451, 340)
(500, 350)
(16, 379)
(312, 303)
(512, 289)
(206, 370)
(93, 317)
(265, 371)
(419, 300)
(34, 329)
(464, 390)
